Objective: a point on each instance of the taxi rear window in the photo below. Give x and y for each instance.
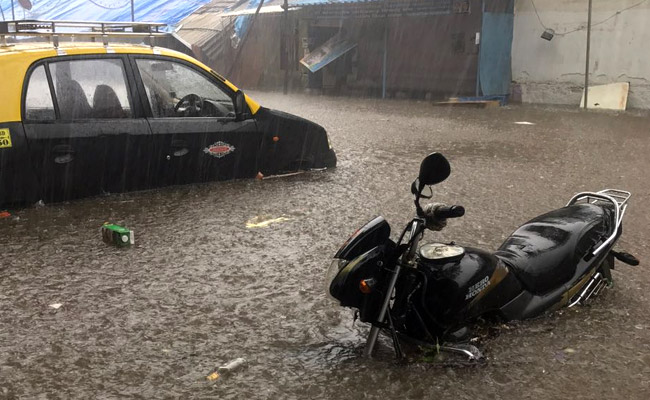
(91, 89)
(38, 100)
(83, 89)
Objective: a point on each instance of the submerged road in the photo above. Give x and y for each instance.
(201, 288)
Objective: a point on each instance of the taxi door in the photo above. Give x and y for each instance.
(83, 135)
(192, 118)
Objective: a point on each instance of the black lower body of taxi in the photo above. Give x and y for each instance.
(62, 161)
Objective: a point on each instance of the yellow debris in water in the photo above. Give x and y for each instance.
(260, 222)
(213, 376)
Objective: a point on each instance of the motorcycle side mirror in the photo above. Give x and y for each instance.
(433, 169)
(415, 189)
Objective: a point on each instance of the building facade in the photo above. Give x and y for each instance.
(413, 48)
(554, 71)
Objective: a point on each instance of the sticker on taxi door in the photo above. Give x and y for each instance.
(219, 149)
(5, 138)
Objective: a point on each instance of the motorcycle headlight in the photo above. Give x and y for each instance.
(335, 267)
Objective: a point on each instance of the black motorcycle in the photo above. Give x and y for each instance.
(431, 293)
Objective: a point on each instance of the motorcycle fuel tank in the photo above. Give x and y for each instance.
(463, 284)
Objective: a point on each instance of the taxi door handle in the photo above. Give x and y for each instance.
(63, 153)
(179, 148)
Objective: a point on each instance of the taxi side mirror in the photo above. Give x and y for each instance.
(240, 106)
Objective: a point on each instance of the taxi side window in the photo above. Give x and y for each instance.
(38, 99)
(176, 90)
(88, 89)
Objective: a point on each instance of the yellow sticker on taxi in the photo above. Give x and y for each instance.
(5, 138)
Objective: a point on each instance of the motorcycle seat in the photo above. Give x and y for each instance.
(543, 253)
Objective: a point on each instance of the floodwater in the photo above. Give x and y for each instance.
(200, 288)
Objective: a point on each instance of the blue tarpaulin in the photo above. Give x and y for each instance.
(318, 2)
(242, 23)
(170, 12)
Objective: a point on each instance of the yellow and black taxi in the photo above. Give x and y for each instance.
(80, 119)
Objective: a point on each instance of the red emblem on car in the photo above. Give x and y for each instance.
(219, 149)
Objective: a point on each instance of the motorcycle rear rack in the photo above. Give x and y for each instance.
(618, 198)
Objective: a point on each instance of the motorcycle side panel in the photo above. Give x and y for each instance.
(530, 305)
(477, 283)
(374, 233)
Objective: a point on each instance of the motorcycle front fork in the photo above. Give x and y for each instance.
(415, 235)
(374, 331)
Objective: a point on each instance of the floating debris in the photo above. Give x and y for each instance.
(5, 214)
(261, 222)
(56, 306)
(234, 365)
(524, 123)
(117, 235)
(213, 376)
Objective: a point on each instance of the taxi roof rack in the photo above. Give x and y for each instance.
(53, 30)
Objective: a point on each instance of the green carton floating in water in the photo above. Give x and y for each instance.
(117, 235)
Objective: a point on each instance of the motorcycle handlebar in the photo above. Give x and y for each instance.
(455, 211)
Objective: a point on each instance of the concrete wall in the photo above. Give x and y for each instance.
(553, 72)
